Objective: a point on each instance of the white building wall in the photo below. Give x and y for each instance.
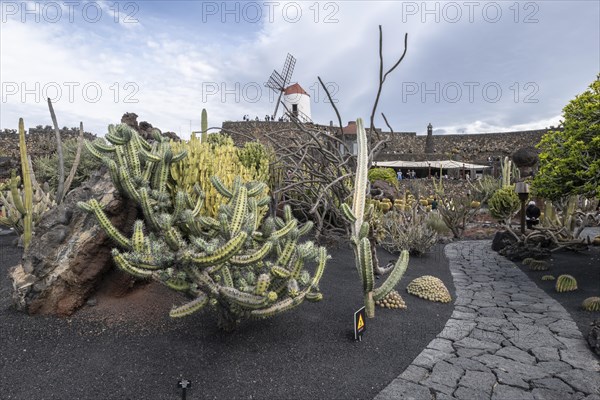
(303, 103)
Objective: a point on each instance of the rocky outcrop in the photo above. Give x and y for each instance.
(70, 254)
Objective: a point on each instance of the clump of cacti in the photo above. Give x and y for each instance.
(216, 156)
(239, 264)
(429, 288)
(363, 247)
(392, 300)
(13, 209)
(548, 278)
(536, 265)
(504, 203)
(591, 304)
(408, 231)
(18, 210)
(566, 283)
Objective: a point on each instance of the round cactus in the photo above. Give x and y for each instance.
(591, 304)
(566, 283)
(429, 288)
(548, 278)
(392, 300)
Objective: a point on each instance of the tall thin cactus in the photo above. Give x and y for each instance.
(63, 186)
(204, 126)
(360, 231)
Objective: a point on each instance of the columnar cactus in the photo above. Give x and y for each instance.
(240, 264)
(360, 231)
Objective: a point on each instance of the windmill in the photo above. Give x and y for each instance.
(278, 81)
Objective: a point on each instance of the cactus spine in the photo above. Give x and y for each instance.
(239, 264)
(360, 229)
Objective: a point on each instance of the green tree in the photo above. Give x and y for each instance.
(570, 158)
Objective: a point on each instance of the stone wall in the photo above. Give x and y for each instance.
(409, 146)
(40, 142)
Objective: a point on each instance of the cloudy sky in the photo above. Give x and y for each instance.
(470, 66)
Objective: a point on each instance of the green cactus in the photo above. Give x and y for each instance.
(536, 265)
(239, 264)
(504, 203)
(548, 278)
(591, 304)
(363, 251)
(204, 126)
(429, 288)
(566, 283)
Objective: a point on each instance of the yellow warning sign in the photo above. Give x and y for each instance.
(361, 322)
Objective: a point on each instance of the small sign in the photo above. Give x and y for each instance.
(184, 384)
(359, 323)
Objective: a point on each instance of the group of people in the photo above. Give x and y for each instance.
(267, 118)
(410, 174)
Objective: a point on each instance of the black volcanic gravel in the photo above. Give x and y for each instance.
(585, 268)
(307, 353)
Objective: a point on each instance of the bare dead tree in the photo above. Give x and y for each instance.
(314, 165)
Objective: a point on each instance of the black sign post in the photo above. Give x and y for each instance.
(359, 323)
(184, 384)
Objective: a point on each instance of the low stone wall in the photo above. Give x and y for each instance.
(40, 141)
(474, 148)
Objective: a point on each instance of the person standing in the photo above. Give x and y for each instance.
(399, 175)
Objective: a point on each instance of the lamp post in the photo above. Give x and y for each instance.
(522, 190)
(429, 168)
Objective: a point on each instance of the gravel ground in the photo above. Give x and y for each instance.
(307, 353)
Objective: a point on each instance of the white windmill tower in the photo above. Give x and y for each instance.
(297, 102)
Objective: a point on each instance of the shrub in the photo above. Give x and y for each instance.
(383, 174)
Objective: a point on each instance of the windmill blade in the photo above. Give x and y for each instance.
(275, 82)
(288, 69)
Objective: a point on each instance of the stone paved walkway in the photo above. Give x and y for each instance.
(507, 339)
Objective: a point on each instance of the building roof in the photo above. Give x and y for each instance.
(295, 89)
(446, 164)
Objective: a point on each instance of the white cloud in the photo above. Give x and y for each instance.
(169, 59)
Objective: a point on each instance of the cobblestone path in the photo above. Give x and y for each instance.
(507, 339)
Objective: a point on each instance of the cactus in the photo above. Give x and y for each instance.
(536, 265)
(504, 203)
(429, 288)
(239, 264)
(392, 300)
(548, 278)
(207, 159)
(566, 283)
(363, 251)
(591, 304)
(23, 208)
(204, 126)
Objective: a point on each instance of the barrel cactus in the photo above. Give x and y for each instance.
(536, 265)
(392, 300)
(548, 278)
(566, 283)
(429, 288)
(591, 304)
(240, 264)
